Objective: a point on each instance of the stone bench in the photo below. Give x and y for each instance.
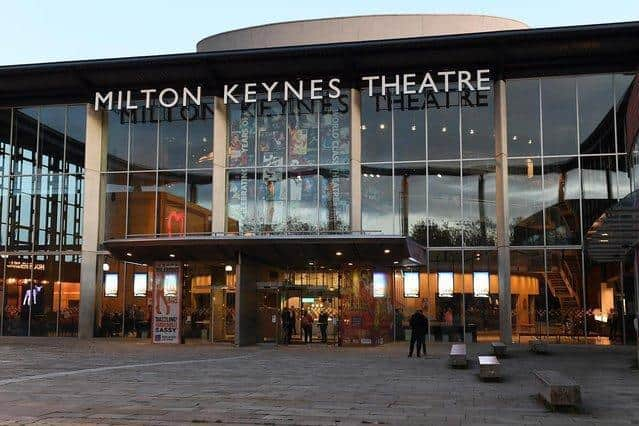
(538, 346)
(457, 356)
(489, 367)
(556, 389)
(499, 348)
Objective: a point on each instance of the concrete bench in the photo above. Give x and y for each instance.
(557, 389)
(499, 349)
(457, 356)
(538, 346)
(489, 367)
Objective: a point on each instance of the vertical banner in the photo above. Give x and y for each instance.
(167, 302)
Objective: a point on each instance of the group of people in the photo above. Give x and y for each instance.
(306, 322)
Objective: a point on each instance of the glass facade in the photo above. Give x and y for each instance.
(41, 207)
(158, 173)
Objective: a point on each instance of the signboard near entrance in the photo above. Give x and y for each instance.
(167, 302)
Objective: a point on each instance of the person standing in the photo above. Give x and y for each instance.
(287, 325)
(322, 320)
(307, 326)
(419, 326)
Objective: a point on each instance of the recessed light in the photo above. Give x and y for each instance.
(471, 131)
(129, 254)
(386, 251)
(228, 268)
(311, 263)
(605, 234)
(338, 253)
(529, 141)
(171, 255)
(514, 138)
(377, 176)
(444, 129)
(439, 175)
(413, 127)
(382, 126)
(396, 262)
(350, 263)
(363, 126)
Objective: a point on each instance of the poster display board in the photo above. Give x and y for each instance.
(411, 284)
(167, 302)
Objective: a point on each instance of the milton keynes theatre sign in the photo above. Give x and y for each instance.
(408, 84)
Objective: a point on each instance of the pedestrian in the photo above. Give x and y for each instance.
(307, 326)
(287, 325)
(419, 326)
(322, 320)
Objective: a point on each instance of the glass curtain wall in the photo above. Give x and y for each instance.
(288, 166)
(158, 175)
(41, 203)
(567, 165)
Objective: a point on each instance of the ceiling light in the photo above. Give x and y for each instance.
(529, 141)
(350, 263)
(439, 175)
(471, 131)
(311, 263)
(444, 129)
(396, 262)
(514, 138)
(363, 126)
(228, 268)
(171, 255)
(129, 254)
(338, 253)
(105, 267)
(382, 126)
(377, 175)
(413, 127)
(386, 251)
(605, 234)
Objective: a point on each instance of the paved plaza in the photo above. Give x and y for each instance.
(66, 381)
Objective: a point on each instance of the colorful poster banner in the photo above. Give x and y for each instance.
(167, 302)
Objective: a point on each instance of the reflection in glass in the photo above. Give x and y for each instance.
(522, 100)
(443, 125)
(172, 145)
(409, 127)
(410, 200)
(110, 309)
(626, 93)
(377, 198)
(25, 138)
(376, 127)
(529, 297)
(559, 115)
(199, 197)
(141, 203)
(44, 311)
(200, 143)
(47, 212)
(565, 293)
(144, 135)
(271, 200)
(303, 124)
(5, 140)
(171, 203)
(598, 180)
(76, 135)
(596, 114)
(22, 206)
(117, 131)
(481, 289)
(5, 200)
(444, 204)
(449, 311)
(477, 124)
(525, 202)
(241, 142)
(335, 130)
(241, 212)
(302, 200)
(561, 200)
(479, 194)
(51, 138)
(72, 205)
(115, 205)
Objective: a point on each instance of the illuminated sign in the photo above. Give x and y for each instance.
(308, 300)
(170, 284)
(481, 284)
(380, 282)
(445, 284)
(411, 284)
(111, 285)
(139, 285)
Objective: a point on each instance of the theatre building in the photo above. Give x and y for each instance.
(355, 169)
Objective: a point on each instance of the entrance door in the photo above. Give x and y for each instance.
(268, 315)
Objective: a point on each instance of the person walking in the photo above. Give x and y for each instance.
(322, 320)
(419, 326)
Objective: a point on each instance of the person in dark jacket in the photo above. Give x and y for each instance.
(419, 326)
(322, 320)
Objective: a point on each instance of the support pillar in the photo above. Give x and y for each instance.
(356, 161)
(503, 249)
(91, 215)
(219, 166)
(245, 302)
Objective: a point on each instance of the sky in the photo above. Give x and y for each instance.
(35, 31)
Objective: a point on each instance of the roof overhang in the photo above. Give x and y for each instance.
(514, 53)
(279, 251)
(615, 232)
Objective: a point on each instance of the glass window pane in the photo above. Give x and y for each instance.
(623, 177)
(376, 127)
(115, 205)
(18, 283)
(565, 294)
(596, 115)
(51, 136)
(528, 294)
(335, 199)
(48, 205)
(22, 206)
(138, 302)
(110, 306)
(522, 98)
(410, 199)
(67, 296)
(5, 208)
(5, 140)
(443, 125)
(335, 130)
(377, 198)
(241, 212)
(72, 205)
(449, 307)
(271, 200)
(479, 195)
(199, 197)
(598, 182)
(144, 135)
(272, 133)
(302, 200)
(44, 310)
(477, 124)
(481, 288)
(141, 204)
(117, 134)
(241, 142)
(561, 200)
(626, 88)
(172, 148)
(200, 144)
(444, 204)
(303, 126)
(25, 138)
(559, 115)
(409, 127)
(171, 203)
(76, 135)
(525, 202)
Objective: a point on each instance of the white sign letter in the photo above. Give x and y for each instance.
(228, 94)
(370, 83)
(186, 94)
(99, 99)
